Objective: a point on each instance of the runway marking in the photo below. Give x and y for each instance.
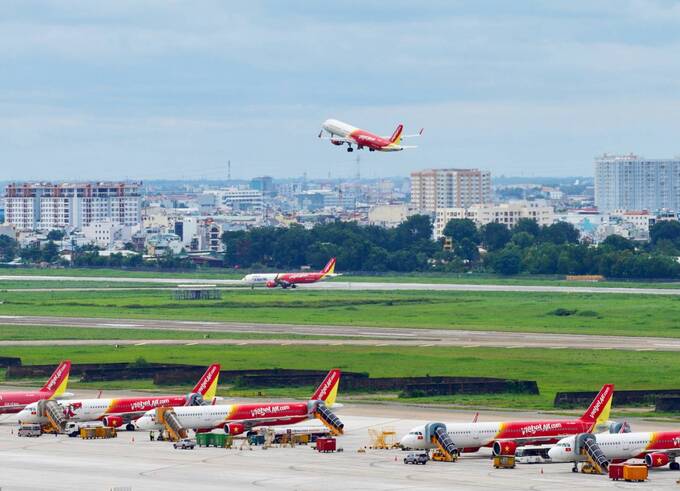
(645, 349)
(602, 349)
(383, 344)
(141, 344)
(558, 347)
(191, 344)
(242, 344)
(515, 347)
(120, 325)
(426, 345)
(472, 346)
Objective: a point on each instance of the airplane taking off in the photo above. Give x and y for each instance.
(285, 280)
(342, 133)
(657, 449)
(235, 419)
(504, 438)
(14, 402)
(122, 411)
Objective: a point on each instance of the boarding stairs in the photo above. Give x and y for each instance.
(444, 443)
(168, 418)
(330, 420)
(54, 413)
(588, 447)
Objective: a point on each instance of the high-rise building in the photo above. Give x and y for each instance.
(46, 206)
(630, 182)
(432, 189)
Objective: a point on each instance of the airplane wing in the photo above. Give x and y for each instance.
(11, 408)
(414, 135)
(337, 139)
(409, 146)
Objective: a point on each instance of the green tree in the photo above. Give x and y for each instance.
(560, 233)
(495, 236)
(467, 250)
(616, 242)
(507, 261)
(55, 235)
(459, 229)
(522, 239)
(8, 248)
(50, 253)
(669, 230)
(528, 225)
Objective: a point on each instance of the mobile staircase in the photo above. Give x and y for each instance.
(54, 413)
(596, 462)
(446, 449)
(168, 418)
(330, 420)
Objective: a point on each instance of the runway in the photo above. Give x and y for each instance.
(355, 335)
(364, 286)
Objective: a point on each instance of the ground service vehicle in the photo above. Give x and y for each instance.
(533, 454)
(416, 459)
(29, 430)
(185, 444)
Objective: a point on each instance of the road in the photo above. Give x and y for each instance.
(364, 286)
(356, 335)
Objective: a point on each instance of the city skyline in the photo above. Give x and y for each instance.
(145, 90)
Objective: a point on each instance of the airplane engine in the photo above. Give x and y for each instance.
(337, 142)
(656, 459)
(507, 447)
(195, 399)
(112, 421)
(234, 428)
(271, 284)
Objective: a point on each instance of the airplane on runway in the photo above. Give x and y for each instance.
(656, 448)
(235, 419)
(14, 402)
(122, 411)
(285, 280)
(342, 133)
(505, 437)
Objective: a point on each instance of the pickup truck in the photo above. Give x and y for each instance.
(185, 444)
(416, 458)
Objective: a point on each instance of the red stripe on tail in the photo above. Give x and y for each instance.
(207, 379)
(57, 377)
(599, 403)
(323, 391)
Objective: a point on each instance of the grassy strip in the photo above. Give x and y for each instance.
(41, 333)
(612, 314)
(554, 370)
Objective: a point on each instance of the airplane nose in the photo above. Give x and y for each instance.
(553, 453)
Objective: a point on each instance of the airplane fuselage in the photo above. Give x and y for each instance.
(620, 446)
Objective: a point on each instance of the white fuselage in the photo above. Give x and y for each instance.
(194, 417)
(464, 435)
(338, 128)
(259, 278)
(613, 445)
(75, 409)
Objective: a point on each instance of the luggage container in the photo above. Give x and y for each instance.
(504, 462)
(637, 473)
(202, 439)
(615, 471)
(326, 445)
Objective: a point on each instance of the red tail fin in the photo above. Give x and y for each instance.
(329, 267)
(207, 385)
(56, 384)
(396, 136)
(598, 411)
(328, 390)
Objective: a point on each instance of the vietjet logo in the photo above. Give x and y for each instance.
(599, 402)
(539, 428)
(327, 385)
(70, 409)
(676, 441)
(149, 403)
(206, 380)
(260, 412)
(56, 377)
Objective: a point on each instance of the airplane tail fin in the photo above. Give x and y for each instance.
(396, 136)
(56, 384)
(207, 385)
(328, 390)
(329, 268)
(598, 411)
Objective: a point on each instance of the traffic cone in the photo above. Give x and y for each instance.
(133, 439)
(395, 458)
(541, 470)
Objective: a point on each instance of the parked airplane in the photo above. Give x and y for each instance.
(285, 280)
(122, 411)
(238, 418)
(657, 448)
(14, 402)
(504, 438)
(341, 133)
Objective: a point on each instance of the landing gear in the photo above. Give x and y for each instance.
(130, 427)
(371, 149)
(293, 285)
(350, 149)
(575, 468)
(674, 466)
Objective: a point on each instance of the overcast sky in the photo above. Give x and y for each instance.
(167, 89)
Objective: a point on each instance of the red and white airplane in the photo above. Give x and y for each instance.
(505, 437)
(235, 419)
(14, 402)
(656, 448)
(285, 280)
(124, 410)
(342, 133)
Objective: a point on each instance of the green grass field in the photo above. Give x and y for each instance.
(554, 370)
(633, 315)
(42, 333)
